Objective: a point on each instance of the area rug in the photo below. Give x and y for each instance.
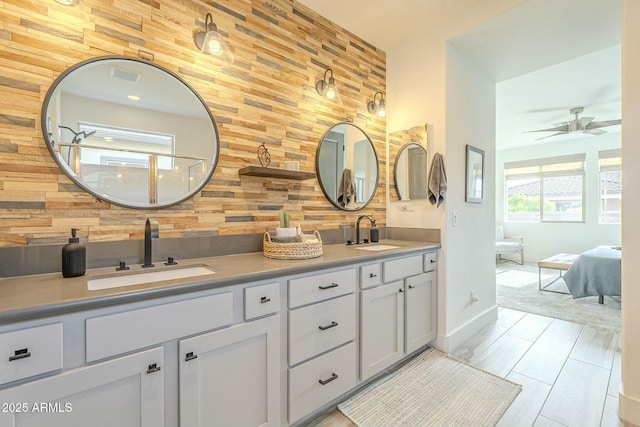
(559, 304)
(434, 390)
(518, 279)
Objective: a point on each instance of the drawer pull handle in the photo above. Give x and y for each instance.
(153, 368)
(432, 261)
(329, 326)
(20, 354)
(190, 356)
(373, 275)
(411, 287)
(333, 285)
(333, 376)
(264, 299)
(400, 290)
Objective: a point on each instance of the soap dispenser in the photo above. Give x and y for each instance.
(74, 257)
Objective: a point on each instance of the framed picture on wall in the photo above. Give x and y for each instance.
(474, 175)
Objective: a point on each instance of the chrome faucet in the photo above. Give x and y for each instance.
(371, 220)
(150, 232)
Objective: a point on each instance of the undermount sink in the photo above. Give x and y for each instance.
(129, 278)
(376, 247)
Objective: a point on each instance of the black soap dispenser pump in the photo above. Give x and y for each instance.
(74, 257)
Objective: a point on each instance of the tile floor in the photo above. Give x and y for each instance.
(570, 373)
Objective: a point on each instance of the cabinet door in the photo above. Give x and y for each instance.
(420, 316)
(231, 377)
(382, 328)
(125, 392)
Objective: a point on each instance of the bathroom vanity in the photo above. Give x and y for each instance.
(258, 342)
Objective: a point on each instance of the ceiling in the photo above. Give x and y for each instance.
(547, 56)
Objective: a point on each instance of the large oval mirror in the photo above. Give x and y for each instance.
(410, 172)
(347, 167)
(130, 132)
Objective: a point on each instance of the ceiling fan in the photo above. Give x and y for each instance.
(582, 124)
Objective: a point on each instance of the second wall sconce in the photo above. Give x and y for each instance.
(211, 42)
(373, 108)
(325, 88)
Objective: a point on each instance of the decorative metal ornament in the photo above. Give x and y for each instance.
(263, 155)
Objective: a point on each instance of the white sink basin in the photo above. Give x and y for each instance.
(376, 247)
(128, 278)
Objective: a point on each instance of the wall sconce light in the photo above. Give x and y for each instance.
(68, 2)
(211, 42)
(327, 89)
(379, 107)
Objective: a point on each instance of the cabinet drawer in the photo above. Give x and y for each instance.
(261, 300)
(30, 352)
(131, 330)
(401, 267)
(321, 380)
(430, 261)
(370, 275)
(320, 327)
(307, 290)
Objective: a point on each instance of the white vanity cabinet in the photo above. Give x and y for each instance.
(231, 377)
(124, 392)
(398, 317)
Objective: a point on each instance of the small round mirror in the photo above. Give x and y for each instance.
(410, 172)
(130, 132)
(347, 167)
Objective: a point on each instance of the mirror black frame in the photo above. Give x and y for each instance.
(395, 166)
(45, 127)
(322, 187)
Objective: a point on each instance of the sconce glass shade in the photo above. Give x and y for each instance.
(379, 108)
(329, 90)
(212, 43)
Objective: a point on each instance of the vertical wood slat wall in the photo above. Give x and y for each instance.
(268, 95)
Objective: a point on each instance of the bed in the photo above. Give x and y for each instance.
(595, 272)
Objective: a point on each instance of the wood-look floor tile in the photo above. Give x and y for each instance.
(596, 346)
(530, 327)
(334, 419)
(526, 406)
(616, 370)
(610, 416)
(501, 356)
(546, 422)
(566, 330)
(577, 398)
(480, 342)
(545, 359)
(508, 317)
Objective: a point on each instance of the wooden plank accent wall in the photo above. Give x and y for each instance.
(268, 95)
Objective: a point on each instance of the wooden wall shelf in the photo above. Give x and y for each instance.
(275, 173)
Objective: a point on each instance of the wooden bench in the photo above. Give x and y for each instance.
(560, 262)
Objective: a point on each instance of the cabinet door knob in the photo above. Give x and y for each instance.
(400, 290)
(333, 376)
(20, 354)
(264, 299)
(329, 326)
(333, 285)
(190, 356)
(432, 261)
(373, 275)
(411, 287)
(153, 368)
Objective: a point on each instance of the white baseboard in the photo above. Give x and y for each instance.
(449, 343)
(629, 409)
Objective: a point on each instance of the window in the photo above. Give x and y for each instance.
(545, 190)
(610, 171)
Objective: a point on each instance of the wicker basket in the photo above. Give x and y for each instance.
(295, 250)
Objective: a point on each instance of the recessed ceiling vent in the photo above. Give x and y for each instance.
(119, 73)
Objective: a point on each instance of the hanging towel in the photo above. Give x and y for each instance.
(437, 181)
(346, 190)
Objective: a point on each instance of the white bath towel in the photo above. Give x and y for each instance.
(347, 189)
(437, 181)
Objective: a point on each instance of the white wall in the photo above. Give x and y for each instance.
(543, 240)
(630, 390)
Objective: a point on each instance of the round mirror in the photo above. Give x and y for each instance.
(410, 172)
(347, 167)
(130, 132)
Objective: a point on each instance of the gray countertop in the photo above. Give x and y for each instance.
(30, 297)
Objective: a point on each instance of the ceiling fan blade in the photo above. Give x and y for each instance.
(602, 124)
(549, 136)
(584, 121)
(595, 131)
(562, 128)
